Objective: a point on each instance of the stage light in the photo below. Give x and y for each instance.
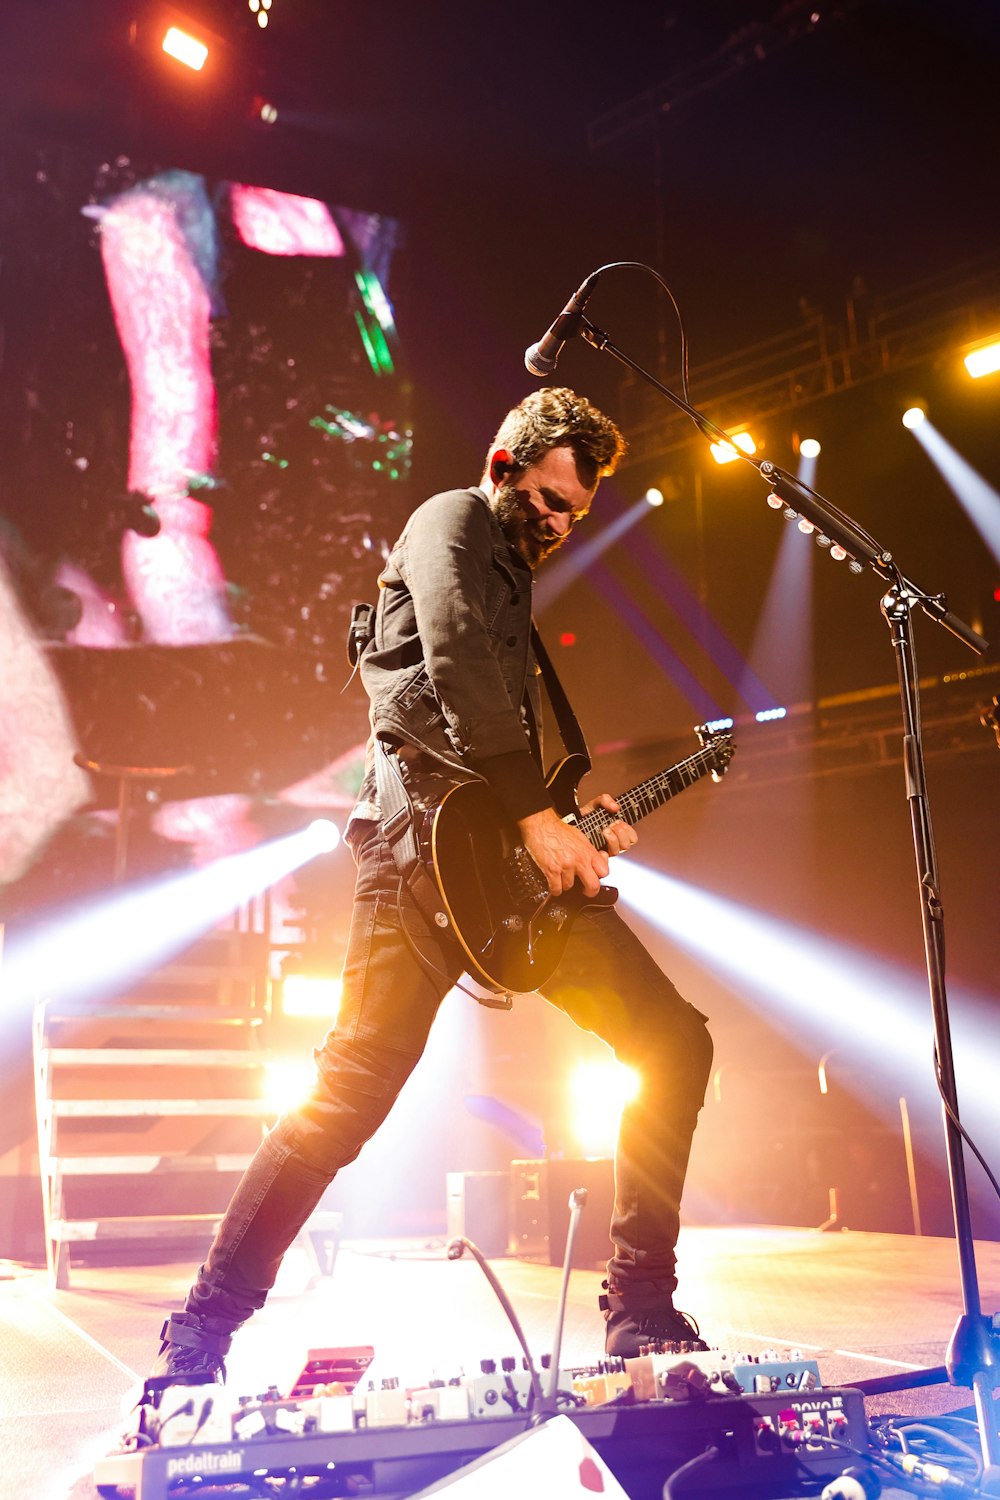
(913, 416)
(810, 448)
(714, 724)
(763, 714)
(599, 1090)
(185, 48)
(725, 453)
(653, 496)
(983, 359)
(325, 834)
(288, 1081)
(310, 995)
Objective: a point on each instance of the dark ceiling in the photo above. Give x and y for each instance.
(767, 158)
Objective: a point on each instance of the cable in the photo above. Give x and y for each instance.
(709, 1455)
(638, 265)
(455, 1250)
(926, 1473)
(924, 1428)
(186, 1409)
(577, 1203)
(966, 1137)
(925, 1439)
(207, 1407)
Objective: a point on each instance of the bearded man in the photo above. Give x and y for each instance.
(451, 678)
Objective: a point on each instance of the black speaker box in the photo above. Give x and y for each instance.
(540, 1192)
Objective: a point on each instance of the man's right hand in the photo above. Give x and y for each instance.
(562, 853)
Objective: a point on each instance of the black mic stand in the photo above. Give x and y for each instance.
(973, 1354)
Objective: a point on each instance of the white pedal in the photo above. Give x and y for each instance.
(440, 1403)
(186, 1414)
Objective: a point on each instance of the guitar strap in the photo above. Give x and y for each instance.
(566, 719)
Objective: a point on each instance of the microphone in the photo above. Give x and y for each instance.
(541, 358)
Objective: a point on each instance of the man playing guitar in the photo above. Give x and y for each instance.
(451, 678)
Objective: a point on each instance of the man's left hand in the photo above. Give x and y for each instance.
(618, 836)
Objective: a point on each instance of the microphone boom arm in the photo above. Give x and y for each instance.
(841, 530)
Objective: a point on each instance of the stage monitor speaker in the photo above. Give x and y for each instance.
(478, 1209)
(540, 1193)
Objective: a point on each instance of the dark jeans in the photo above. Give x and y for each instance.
(606, 982)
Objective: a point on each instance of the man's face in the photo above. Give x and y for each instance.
(538, 508)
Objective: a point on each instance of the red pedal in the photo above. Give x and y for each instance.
(344, 1366)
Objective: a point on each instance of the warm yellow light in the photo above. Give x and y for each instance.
(599, 1091)
(311, 995)
(287, 1082)
(186, 49)
(725, 453)
(810, 448)
(653, 496)
(984, 359)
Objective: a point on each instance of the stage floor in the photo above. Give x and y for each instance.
(862, 1305)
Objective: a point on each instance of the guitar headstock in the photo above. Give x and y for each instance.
(719, 742)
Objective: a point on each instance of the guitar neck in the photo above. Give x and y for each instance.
(649, 794)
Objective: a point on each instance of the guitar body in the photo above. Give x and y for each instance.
(512, 930)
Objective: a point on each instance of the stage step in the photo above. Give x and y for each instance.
(136, 1057)
(135, 1227)
(120, 1109)
(163, 1166)
(173, 1060)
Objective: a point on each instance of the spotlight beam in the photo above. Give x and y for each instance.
(979, 500)
(115, 941)
(818, 988)
(565, 570)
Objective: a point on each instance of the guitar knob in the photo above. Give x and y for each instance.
(512, 923)
(557, 915)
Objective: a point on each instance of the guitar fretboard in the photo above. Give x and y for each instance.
(654, 791)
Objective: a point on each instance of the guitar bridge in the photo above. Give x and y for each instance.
(524, 881)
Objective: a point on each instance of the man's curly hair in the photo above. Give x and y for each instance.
(554, 417)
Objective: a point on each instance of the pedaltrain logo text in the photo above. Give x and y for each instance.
(206, 1463)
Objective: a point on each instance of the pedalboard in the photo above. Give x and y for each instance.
(770, 1421)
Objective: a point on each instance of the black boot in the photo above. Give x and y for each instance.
(644, 1314)
(190, 1354)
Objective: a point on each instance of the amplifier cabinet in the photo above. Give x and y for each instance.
(540, 1192)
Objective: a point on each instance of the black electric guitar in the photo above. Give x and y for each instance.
(512, 930)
